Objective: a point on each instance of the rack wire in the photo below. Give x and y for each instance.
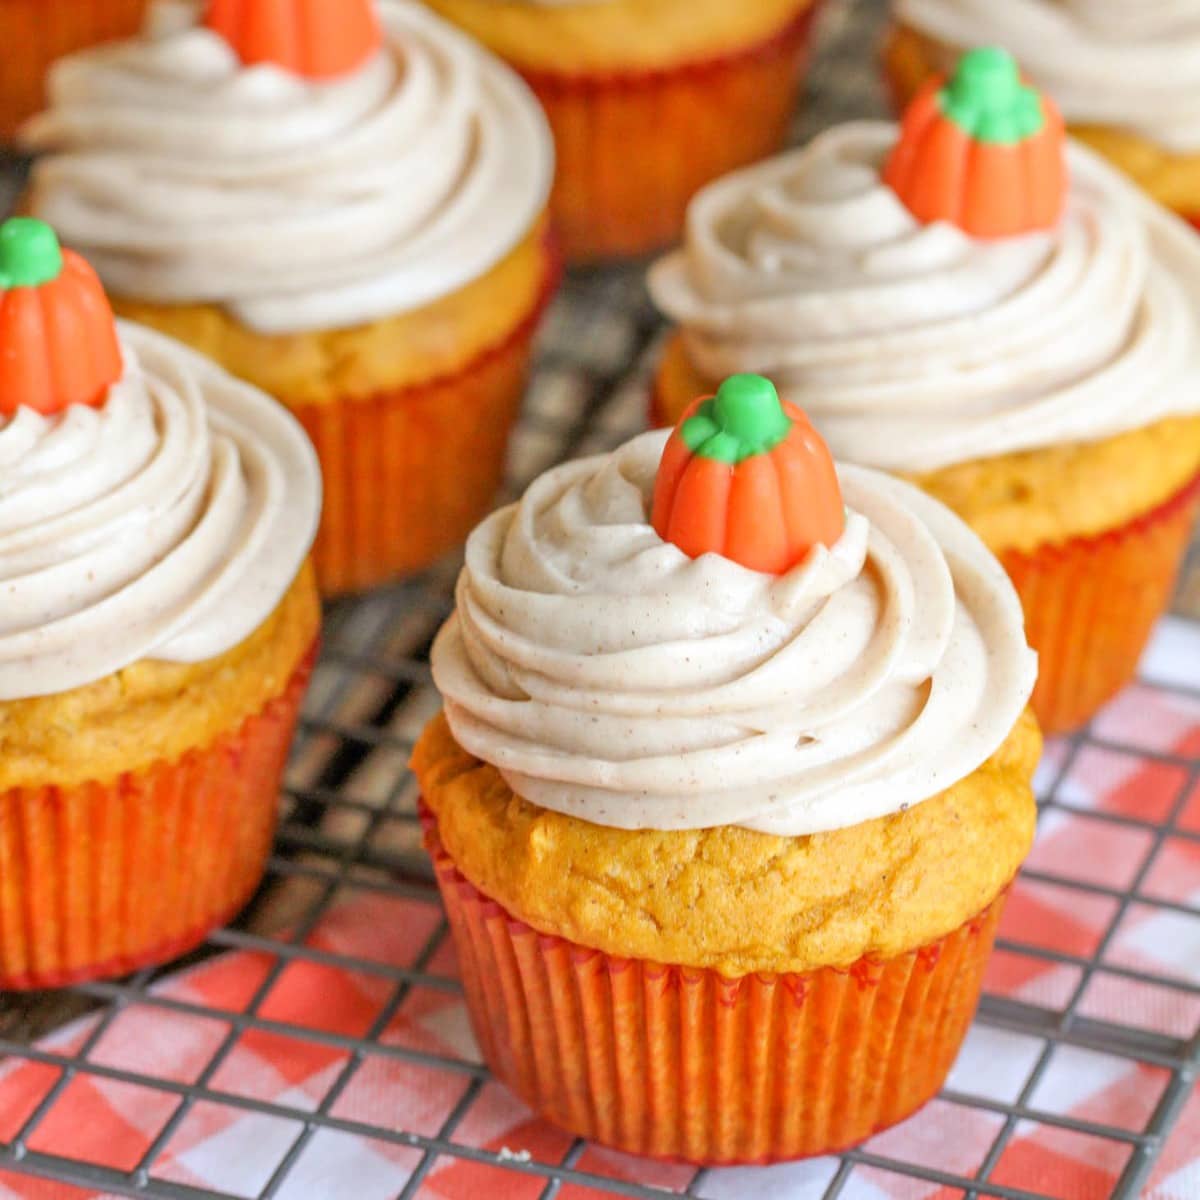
(350, 828)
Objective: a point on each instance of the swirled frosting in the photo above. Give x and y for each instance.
(167, 524)
(185, 177)
(610, 677)
(914, 346)
(1134, 64)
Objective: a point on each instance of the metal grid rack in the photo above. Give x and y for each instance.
(349, 829)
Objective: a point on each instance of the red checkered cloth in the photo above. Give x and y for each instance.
(1098, 840)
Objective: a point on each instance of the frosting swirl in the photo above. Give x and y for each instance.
(185, 177)
(167, 524)
(1108, 62)
(610, 677)
(914, 346)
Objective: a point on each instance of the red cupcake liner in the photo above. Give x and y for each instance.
(1091, 604)
(635, 146)
(33, 33)
(101, 879)
(411, 471)
(680, 1063)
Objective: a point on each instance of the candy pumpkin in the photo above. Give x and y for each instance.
(319, 39)
(747, 477)
(984, 151)
(58, 339)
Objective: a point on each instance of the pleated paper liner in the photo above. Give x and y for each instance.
(102, 879)
(33, 33)
(410, 472)
(685, 1064)
(634, 147)
(1091, 605)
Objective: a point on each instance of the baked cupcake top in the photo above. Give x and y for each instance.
(943, 317)
(151, 507)
(695, 632)
(1134, 65)
(298, 196)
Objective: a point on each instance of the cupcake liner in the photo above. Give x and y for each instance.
(904, 66)
(1091, 605)
(411, 471)
(98, 880)
(34, 33)
(679, 1063)
(634, 147)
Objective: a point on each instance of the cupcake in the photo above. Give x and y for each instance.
(36, 32)
(158, 627)
(346, 212)
(1126, 75)
(732, 778)
(648, 99)
(945, 305)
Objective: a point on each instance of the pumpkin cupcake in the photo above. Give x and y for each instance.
(36, 32)
(627, 85)
(1126, 75)
(341, 203)
(945, 305)
(158, 627)
(733, 775)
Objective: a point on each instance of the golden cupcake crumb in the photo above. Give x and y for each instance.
(620, 35)
(411, 348)
(155, 711)
(729, 898)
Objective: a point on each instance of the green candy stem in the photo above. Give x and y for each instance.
(29, 253)
(743, 419)
(986, 99)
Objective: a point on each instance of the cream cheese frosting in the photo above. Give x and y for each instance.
(1133, 64)
(610, 677)
(914, 347)
(185, 177)
(167, 524)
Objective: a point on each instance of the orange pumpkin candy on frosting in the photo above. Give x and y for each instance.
(746, 476)
(58, 343)
(983, 150)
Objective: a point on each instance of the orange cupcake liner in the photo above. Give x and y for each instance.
(99, 880)
(36, 32)
(634, 147)
(411, 471)
(903, 69)
(1091, 604)
(678, 1063)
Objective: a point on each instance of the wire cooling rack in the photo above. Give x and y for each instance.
(1080, 1065)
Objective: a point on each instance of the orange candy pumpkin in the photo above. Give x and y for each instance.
(58, 339)
(747, 477)
(319, 39)
(984, 151)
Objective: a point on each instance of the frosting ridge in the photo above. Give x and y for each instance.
(610, 677)
(166, 524)
(185, 177)
(915, 346)
(1109, 62)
